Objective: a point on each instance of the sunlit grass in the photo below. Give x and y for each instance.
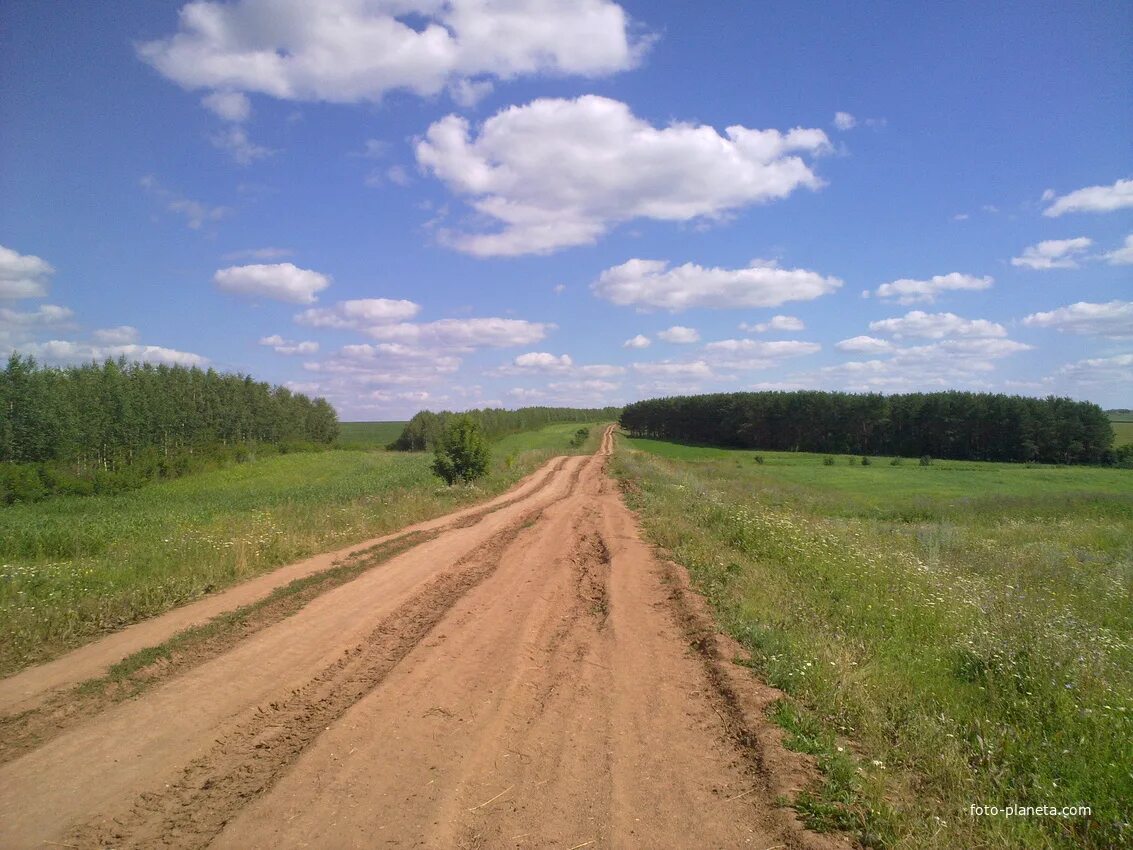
(74, 567)
(949, 635)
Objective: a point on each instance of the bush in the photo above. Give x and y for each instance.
(580, 437)
(461, 453)
(866, 461)
(759, 459)
(896, 461)
(828, 461)
(926, 460)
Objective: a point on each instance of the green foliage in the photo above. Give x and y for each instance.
(828, 461)
(926, 460)
(115, 426)
(946, 636)
(866, 460)
(954, 425)
(462, 453)
(580, 437)
(368, 435)
(425, 429)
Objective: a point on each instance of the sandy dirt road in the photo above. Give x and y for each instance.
(530, 677)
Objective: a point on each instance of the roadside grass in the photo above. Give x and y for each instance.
(368, 435)
(951, 635)
(73, 568)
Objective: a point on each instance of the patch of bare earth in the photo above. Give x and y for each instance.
(532, 678)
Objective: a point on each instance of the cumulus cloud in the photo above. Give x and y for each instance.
(1053, 254)
(347, 51)
(43, 316)
(1111, 319)
(229, 105)
(865, 345)
(1122, 256)
(639, 341)
(66, 351)
(776, 323)
(937, 326)
(765, 349)
(845, 121)
(556, 173)
(196, 213)
(909, 291)
(235, 142)
(23, 275)
(680, 334)
(543, 361)
(120, 335)
(693, 369)
(464, 334)
(359, 313)
(287, 346)
(652, 283)
(1099, 371)
(281, 281)
(1091, 199)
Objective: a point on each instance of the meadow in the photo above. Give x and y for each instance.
(74, 567)
(948, 635)
(368, 435)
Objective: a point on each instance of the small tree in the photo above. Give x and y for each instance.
(461, 454)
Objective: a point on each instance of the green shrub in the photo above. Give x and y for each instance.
(926, 460)
(896, 461)
(759, 459)
(866, 461)
(462, 453)
(828, 460)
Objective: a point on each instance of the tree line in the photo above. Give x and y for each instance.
(955, 425)
(426, 428)
(87, 424)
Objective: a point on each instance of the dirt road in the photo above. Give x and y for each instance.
(529, 677)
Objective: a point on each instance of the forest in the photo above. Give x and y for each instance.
(424, 429)
(953, 425)
(114, 425)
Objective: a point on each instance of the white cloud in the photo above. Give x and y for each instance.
(651, 283)
(1091, 199)
(468, 93)
(680, 334)
(398, 176)
(347, 51)
(43, 316)
(464, 334)
(229, 105)
(195, 213)
(909, 291)
(235, 142)
(1101, 371)
(639, 341)
(1111, 319)
(845, 121)
(556, 173)
(693, 369)
(120, 335)
(865, 345)
(65, 351)
(1122, 256)
(777, 323)
(1053, 254)
(288, 346)
(281, 281)
(937, 326)
(772, 349)
(542, 361)
(23, 275)
(360, 313)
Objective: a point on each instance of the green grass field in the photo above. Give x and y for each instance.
(368, 435)
(74, 567)
(1122, 431)
(951, 635)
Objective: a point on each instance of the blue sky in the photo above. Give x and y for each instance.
(412, 203)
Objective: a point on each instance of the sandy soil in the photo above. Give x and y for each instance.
(530, 677)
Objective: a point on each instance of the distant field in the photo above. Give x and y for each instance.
(74, 567)
(368, 435)
(1122, 430)
(948, 635)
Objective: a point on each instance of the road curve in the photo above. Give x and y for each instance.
(529, 677)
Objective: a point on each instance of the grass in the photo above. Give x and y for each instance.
(368, 435)
(1122, 431)
(947, 636)
(73, 568)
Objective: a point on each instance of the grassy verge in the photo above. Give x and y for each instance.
(76, 567)
(948, 636)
